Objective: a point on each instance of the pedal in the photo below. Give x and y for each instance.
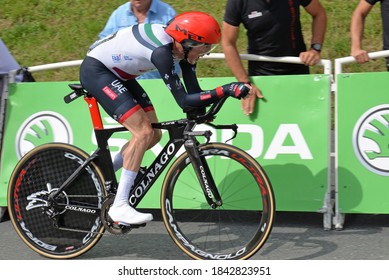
(109, 224)
(130, 226)
(139, 226)
(134, 226)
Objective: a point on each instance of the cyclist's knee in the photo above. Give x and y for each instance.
(157, 137)
(146, 136)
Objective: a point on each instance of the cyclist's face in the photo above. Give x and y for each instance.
(196, 52)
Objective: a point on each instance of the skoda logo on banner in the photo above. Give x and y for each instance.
(41, 128)
(371, 139)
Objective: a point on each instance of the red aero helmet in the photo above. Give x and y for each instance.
(194, 26)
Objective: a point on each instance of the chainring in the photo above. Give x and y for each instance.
(108, 223)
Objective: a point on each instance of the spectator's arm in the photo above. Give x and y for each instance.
(229, 39)
(319, 21)
(356, 30)
(319, 26)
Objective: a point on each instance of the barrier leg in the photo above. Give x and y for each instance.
(339, 221)
(327, 210)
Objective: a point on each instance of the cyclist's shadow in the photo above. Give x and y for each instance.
(309, 241)
(295, 235)
(147, 243)
(300, 235)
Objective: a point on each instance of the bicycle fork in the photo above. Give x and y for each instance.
(202, 171)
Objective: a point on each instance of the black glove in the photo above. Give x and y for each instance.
(238, 90)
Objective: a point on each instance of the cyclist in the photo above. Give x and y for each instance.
(108, 73)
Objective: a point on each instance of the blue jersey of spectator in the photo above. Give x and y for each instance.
(134, 12)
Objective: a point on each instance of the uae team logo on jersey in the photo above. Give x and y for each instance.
(41, 128)
(371, 139)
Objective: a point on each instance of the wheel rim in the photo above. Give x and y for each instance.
(238, 228)
(70, 233)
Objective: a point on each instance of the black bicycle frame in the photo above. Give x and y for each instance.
(102, 157)
(180, 133)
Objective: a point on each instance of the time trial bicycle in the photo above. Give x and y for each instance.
(216, 200)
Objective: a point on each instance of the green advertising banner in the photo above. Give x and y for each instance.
(288, 133)
(363, 142)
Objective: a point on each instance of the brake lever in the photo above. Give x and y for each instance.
(233, 127)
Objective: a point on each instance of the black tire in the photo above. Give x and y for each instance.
(237, 229)
(71, 231)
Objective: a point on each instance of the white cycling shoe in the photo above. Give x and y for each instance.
(126, 215)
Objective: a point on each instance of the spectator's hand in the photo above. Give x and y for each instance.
(361, 56)
(236, 89)
(310, 57)
(248, 103)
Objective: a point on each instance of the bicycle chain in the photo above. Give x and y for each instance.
(108, 223)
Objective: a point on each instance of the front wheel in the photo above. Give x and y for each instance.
(235, 230)
(69, 226)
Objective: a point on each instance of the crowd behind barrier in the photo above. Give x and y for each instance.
(330, 201)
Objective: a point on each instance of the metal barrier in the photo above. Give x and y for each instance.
(326, 208)
(285, 59)
(331, 201)
(3, 103)
(339, 217)
(349, 59)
